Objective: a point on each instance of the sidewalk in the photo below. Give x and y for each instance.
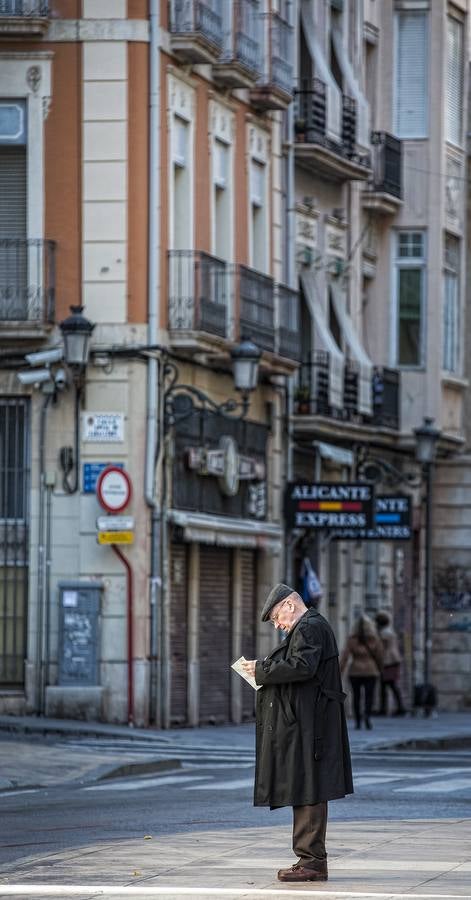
(34, 751)
(368, 859)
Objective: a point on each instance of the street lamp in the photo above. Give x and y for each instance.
(245, 361)
(426, 444)
(76, 334)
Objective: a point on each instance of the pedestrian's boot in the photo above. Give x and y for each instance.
(300, 872)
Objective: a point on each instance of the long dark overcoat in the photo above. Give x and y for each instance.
(302, 749)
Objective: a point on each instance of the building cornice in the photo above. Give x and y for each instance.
(84, 30)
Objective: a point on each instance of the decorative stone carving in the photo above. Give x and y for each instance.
(453, 192)
(33, 78)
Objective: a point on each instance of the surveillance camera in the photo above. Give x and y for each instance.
(37, 377)
(60, 379)
(45, 357)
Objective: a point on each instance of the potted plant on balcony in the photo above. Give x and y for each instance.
(302, 398)
(300, 129)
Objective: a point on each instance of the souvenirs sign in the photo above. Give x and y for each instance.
(330, 505)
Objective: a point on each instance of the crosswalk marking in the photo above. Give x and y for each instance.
(222, 785)
(436, 787)
(140, 783)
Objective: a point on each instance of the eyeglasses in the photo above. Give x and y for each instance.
(274, 619)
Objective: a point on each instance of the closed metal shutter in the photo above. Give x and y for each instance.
(249, 616)
(178, 634)
(411, 82)
(215, 634)
(13, 248)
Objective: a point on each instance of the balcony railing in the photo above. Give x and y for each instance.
(27, 281)
(240, 62)
(289, 335)
(24, 8)
(24, 17)
(274, 89)
(311, 121)
(196, 29)
(386, 398)
(257, 307)
(312, 396)
(199, 292)
(387, 175)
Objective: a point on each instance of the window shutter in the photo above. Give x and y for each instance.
(454, 85)
(411, 75)
(12, 192)
(13, 250)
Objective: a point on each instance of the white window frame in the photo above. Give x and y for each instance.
(181, 105)
(222, 129)
(397, 130)
(412, 262)
(451, 348)
(28, 78)
(259, 153)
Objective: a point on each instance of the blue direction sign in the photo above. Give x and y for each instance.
(392, 521)
(92, 472)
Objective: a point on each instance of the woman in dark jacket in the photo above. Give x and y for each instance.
(364, 652)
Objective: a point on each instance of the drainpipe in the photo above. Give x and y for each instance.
(153, 367)
(130, 621)
(41, 559)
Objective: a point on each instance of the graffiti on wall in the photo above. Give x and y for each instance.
(452, 588)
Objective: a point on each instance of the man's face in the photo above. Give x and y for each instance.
(283, 614)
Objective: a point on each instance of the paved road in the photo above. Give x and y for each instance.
(213, 789)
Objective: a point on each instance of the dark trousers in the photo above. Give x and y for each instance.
(396, 693)
(362, 684)
(309, 828)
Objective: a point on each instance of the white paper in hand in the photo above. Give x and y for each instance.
(237, 666)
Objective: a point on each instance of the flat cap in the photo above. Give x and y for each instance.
(277, 594)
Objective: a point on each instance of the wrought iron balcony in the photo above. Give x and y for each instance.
(386, 398)
(385, 189)
(19, 17)
(27, 284)
(274, 89)
(338, 160)
(312, 395)
(240, 65)
(288, 331)
(257, 307)
(199, 293)
(196, 30)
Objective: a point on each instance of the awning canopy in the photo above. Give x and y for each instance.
(322, 69)
(249, 533)
(353, 88)
(324, 340)
(365, 387)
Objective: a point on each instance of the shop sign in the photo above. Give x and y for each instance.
(329, 505)
(226, 464)
(392, 521)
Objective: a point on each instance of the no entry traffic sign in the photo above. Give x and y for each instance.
(114, 489)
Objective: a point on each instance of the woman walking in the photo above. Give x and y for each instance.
(364, 652)
(391, 664)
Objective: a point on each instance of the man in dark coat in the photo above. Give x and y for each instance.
(302, 749)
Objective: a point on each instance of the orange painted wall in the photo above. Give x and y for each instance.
(241, 188)
(138, 9)
(66, 9)
(138, 189)
(63, 142)
(164, 199)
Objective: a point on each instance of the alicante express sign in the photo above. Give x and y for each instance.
(329, 505)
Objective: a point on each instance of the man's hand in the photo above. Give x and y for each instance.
(249, 666)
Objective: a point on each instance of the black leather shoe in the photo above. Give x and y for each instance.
(304, 873)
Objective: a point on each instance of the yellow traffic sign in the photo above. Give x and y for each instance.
(116, 537)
